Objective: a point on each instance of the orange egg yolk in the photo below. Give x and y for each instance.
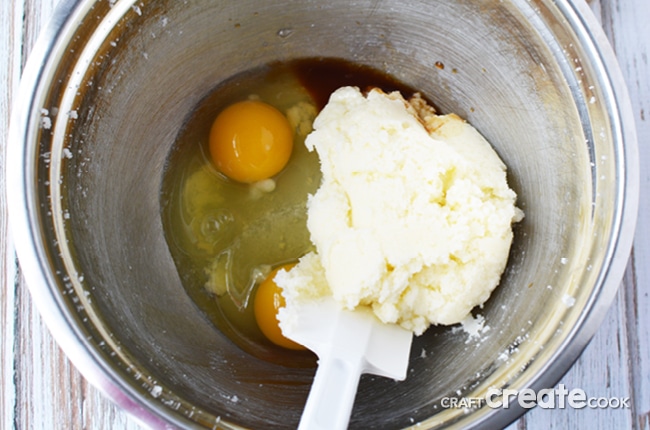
(268, 300)
(250, 141)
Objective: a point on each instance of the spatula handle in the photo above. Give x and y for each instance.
(332, 394)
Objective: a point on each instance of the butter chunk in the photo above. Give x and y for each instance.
(413, 217)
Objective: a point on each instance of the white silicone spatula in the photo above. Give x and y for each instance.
(348, 344)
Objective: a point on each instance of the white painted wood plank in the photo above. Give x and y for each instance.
(37, 13)
(10, 45)
(627, 24)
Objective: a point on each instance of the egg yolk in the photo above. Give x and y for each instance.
(268, 300)
(250, 141)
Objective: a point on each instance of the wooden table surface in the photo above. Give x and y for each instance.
(40, 389)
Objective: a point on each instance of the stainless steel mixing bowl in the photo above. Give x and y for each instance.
(107, 89)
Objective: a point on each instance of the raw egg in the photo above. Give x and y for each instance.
(250, 141)
(268, 300)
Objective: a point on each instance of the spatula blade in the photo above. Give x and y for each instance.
(322, 326)
(348, 343)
